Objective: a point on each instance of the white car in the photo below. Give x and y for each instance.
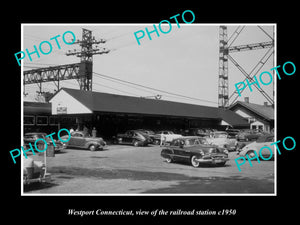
(262, 141)
(165, 136)
(220, 138)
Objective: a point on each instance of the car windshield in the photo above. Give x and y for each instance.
(203, 141)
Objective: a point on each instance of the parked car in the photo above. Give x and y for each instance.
(264, 140)
(220, 138)
(198, 132)
(248, 135)
(165, 136)
(150, 133)
(81, 140)
(196, 150)
(134, 137)
(33, 136)
(232, 132)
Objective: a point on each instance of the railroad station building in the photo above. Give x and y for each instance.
(260, 117)
(111, 114)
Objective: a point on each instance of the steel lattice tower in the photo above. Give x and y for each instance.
(82, 72)
(223, 68)
(225, 49)
(86, 58)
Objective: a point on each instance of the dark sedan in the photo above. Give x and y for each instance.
(33, 136)
(195, 150)
(80, 139)
(248, 135)
(134, 137)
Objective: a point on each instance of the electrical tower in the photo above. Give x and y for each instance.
(223, 68)
(86, 57)
(224, 49)
(82, 72)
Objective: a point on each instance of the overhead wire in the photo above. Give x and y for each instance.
(155, 89)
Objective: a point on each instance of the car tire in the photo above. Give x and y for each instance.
(193, 161)
(135, 143)
(92, 147)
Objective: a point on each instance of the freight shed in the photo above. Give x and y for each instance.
(110, 113)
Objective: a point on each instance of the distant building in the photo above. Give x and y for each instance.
(259, 117)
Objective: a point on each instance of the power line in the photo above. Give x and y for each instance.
(111, 80)
(115, 89)
(155, 89)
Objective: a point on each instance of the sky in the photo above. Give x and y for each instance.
(184, 61)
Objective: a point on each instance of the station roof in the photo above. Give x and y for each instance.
(104, 102)
(267, 112)
(37, 108)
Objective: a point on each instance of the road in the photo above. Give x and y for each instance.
(121, 169)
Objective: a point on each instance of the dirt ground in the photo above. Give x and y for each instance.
(128, 170)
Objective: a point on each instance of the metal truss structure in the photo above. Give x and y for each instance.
(224, 49)
(82, 72)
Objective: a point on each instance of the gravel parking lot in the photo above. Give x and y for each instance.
(121, 169)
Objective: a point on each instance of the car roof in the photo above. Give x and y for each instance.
(264, 136)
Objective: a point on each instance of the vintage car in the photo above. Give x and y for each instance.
(34, 171)
(248, 135)
(220, 138)
(165, 136)
(134, 137)
(33, 136)
(232, 132)
(79, 139)
(195, 150)
(264, 140)
(197, 132)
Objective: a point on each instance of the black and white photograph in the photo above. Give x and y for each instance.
(135, 114)
(144, 109)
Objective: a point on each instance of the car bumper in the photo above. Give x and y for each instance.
(212, 160)
(45, 179)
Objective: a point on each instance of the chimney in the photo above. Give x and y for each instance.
(265, 103)
(246, 99)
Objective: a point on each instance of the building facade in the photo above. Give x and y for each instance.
(260, 117)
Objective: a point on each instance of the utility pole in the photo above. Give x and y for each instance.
(86, 58)
(82, 72)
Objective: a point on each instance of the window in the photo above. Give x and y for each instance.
(41, 120)
(190, 142)
(176, 142)
(53, 120)
(77, 135)
(197, 142)
(203, 141)
(28, 120)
